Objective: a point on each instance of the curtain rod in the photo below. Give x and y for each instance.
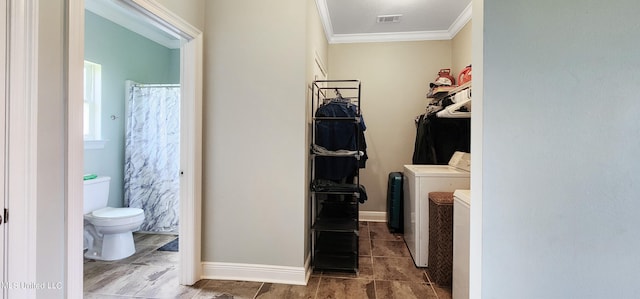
(138, 84)
(155, 85)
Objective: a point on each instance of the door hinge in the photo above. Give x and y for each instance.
(6, 216)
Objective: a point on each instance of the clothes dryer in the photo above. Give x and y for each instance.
(461, 228)
(418, 181)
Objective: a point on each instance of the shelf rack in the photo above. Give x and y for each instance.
(334, 208)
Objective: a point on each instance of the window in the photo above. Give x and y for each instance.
(92, 95)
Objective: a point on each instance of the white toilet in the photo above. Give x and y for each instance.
(108, 232)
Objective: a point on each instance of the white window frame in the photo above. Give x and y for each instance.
(92, 112)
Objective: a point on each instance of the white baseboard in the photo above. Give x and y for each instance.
(254, 272)
(373, 216)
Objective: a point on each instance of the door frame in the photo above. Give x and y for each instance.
(190, 138)
(21, 145)
(475, 233)
(4, 68)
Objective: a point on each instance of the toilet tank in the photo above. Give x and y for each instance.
(96, 193)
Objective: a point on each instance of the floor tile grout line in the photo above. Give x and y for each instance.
(373, 274)
(390, 256)
(315, 296)
(375, 289)
(258, 291)
(434, 291)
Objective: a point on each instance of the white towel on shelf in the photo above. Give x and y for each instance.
(317, 149)
(462, 96)
(451, 111)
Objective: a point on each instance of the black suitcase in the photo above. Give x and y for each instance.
(395, 212)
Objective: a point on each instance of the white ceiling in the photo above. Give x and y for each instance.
(344, 21)
(347, 21)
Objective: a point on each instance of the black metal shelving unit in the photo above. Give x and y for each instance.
(334, 207)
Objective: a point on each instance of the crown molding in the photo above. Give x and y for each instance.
(461, 20)
(323, 11)
(389, 37)
(114, 12)
(332, 38)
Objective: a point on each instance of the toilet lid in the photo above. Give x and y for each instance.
(116, 212)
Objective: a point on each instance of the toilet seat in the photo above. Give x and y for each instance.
(115, 216)
(116, 213)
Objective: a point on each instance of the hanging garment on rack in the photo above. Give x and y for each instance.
(438, 138)
(340, 135)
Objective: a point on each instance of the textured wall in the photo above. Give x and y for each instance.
(560, 182)
(51, 147)
(461, 49)
(254, 132)
(395, 80)
(191, 11)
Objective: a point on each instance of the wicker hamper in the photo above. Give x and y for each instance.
(441, 237)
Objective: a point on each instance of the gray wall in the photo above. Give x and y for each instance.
(124, 55)
(560, 146)
(191, 11)
(461, 49)
(51, 232)
(254, 132)
(317, 48)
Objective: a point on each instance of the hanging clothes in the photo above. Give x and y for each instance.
(438, 138)
(339, 135)
(424, 151)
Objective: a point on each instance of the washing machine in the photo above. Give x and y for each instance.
(461, 205)
(418, 181)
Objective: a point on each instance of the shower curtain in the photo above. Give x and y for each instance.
(152, 154)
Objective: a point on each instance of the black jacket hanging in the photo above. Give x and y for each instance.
(339, 135)
(438, 138)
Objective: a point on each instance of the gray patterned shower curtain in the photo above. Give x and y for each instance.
(152, 154)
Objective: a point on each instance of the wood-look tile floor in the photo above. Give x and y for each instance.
(386, 272)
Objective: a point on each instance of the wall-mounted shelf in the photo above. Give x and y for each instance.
(442, 91)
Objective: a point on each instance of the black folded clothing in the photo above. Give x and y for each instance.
(321, 185)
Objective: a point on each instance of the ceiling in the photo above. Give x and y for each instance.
(348, 21)
(344, 21)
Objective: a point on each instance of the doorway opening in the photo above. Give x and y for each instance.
(158, 19)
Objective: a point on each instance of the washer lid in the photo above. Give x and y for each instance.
(461, 160)
(113, 213)
(435, 170)
(463, 195)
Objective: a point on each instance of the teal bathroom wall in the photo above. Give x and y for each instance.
(124, 55)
